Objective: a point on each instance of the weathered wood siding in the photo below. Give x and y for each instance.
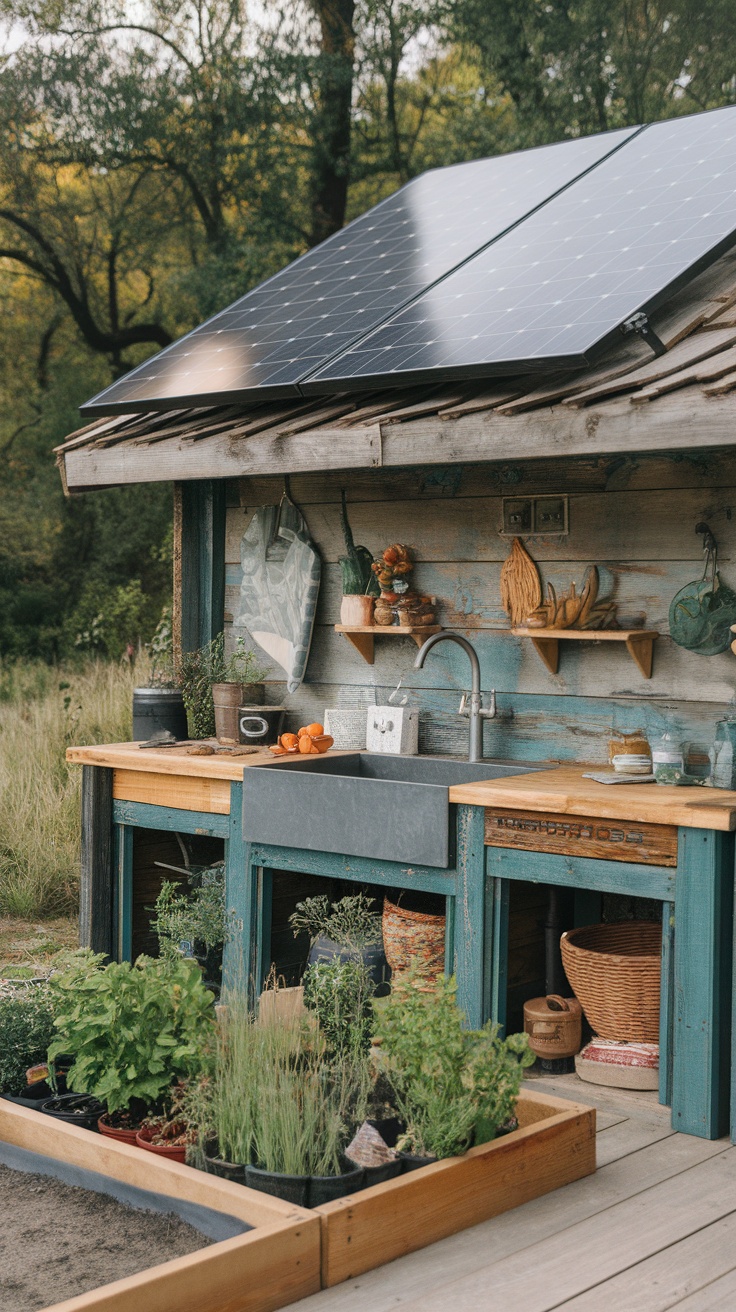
(635, 515)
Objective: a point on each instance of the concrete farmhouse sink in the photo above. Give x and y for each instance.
(390, 808)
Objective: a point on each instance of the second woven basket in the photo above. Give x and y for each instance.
(614, 971)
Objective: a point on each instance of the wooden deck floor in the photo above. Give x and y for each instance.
(654, 1228)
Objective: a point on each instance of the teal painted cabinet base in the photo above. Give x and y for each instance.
(697, 919)
(697, 915)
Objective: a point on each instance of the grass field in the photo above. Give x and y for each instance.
(44, 710)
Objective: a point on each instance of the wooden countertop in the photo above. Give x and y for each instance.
(563, 790)
(560, 789)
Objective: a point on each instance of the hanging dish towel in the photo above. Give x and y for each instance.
(701, 614)
(278, 595)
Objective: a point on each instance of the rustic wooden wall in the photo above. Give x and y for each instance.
(635, 515)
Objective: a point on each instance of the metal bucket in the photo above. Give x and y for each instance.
(155, 709)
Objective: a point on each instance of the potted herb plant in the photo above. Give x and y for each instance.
(452, 1087)
(26, 1029)
(214, 686)
(133, 1031)
(348, 930)
(158, 705)
(359, 585)
(190, 920)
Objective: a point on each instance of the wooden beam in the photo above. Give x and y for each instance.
(201, 603)
(97, 861)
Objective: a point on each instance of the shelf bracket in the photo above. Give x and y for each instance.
(549, 650)
(363, 642)
(641, 650)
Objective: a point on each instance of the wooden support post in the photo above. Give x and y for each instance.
(97, 887)
(123, 923)
(199, 556)
(469, 913)
(237, 952)
(666, 1003)
(497, 950)
(702, 1013)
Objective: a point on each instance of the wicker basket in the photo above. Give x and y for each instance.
(413, 938)
(614, 971)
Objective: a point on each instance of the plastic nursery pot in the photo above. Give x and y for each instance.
(292, 1188)
(32, 1096)
(234, 1171)
(74, 1108)
(413, 1162)
(173, 1152)
(123, 1133)
(326, 1188)
(386, 1171)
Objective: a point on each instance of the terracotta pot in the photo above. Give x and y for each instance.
(227, 697)
(112, 1132)
(173, 1152)
(357, 610)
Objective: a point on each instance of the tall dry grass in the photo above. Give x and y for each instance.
(44, 710)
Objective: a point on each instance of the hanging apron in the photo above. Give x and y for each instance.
(278, 595)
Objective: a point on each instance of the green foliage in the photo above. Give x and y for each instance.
(449, 1082)
(196, 916)
(26, 1029)
(340, 993)
(199, 669)
(350, 923)
(133, 1030)
(357, 565)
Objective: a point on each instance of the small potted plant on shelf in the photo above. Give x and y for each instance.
(359, 584)
(215, 685)
(158, 705)
(133, 1032)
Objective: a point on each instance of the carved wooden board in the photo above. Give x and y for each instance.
(608, 840)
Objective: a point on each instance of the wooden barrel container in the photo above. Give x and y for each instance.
(554, 1026)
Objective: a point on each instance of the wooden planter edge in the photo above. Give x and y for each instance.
(275, 1263)
(554, 1146)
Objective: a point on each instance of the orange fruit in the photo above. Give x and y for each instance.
(289, 741)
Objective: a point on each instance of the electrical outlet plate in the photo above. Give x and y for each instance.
(535, 516)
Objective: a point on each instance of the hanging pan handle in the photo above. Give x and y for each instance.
(556, 1003)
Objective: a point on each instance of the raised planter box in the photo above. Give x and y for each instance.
(274, 1263)
(554, 1145)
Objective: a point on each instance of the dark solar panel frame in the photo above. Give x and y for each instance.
(315, 309)
(600, 245)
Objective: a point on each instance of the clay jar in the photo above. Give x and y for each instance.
(356, 610)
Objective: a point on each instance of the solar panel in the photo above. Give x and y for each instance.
(620, 239)
(324, 301)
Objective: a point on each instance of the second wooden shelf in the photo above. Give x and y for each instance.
(639, 643)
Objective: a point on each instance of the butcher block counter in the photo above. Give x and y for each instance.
(549, 827)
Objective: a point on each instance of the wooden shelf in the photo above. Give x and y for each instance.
(362, 636)
(639, 643)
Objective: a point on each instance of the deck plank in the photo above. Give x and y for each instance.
(664, 1280)
(542, 1276)
(628, 1137)
(719, 1296)
(411, 1280)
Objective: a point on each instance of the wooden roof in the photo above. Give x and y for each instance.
(630, 401)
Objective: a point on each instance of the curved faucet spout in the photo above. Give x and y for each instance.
(475, 710)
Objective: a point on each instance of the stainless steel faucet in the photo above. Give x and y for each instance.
(475, 712)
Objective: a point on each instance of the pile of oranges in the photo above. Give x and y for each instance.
(309, 741)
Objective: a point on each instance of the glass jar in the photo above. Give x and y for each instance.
(667, 761)
(629, 753)
(723, 754)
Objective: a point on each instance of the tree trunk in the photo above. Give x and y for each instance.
(331, 145)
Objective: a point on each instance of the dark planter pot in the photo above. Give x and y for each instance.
(326, 1188)
(389, 1129)
(413, 1162)
(386, 1171)
(292, 1188)
(260, 726)
(157, 709)
(75, 1109)
(32, 1096)
(373, 957)
(234, 1171)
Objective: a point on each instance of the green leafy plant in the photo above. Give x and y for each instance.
(350, 923)
(196, 916)
(133, 1030)
(199, 669)
(26, 1030)
(340, 993)
(451, 1085)
(160, 651)
(356, 566)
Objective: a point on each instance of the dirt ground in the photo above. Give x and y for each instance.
(57, 1241)
(27, 946)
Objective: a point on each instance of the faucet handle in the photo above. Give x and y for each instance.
(463, 707)
(486, 713)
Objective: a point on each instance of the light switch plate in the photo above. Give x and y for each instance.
(517, 515)
(535, 516)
